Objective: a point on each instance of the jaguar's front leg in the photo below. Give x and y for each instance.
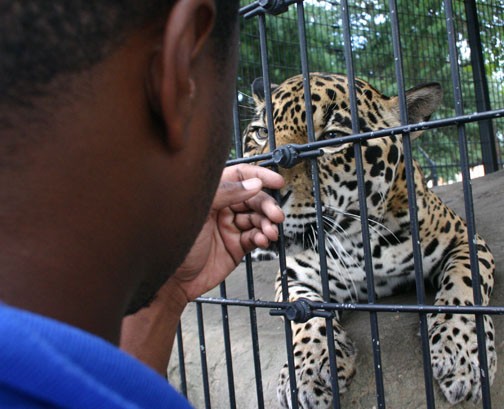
(312, 366)
(453, 339)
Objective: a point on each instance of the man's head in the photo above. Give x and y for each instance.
(41, 40)
(115, 122)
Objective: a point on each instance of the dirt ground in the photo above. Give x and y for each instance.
(400, 344)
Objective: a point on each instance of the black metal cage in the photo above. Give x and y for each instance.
(394, 45)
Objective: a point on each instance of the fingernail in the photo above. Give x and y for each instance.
(252, 184)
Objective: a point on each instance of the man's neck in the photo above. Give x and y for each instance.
(63, 282)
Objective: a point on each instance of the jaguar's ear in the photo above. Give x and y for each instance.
(422, 101)
(258, 90)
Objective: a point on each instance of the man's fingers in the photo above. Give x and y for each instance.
(250, 221)
(270, 179)
(263, 204)
(253, 212)
(252, 239)
(231, 193)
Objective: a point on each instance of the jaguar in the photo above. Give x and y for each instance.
(443, 234)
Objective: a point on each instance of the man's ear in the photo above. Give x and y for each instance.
(172, 85)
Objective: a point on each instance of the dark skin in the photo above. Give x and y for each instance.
(231, 230)
(104, 201)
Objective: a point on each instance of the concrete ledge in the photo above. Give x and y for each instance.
(400, 343)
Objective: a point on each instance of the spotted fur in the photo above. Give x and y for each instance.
(443, 234)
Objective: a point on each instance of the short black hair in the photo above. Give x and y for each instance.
(42, 39)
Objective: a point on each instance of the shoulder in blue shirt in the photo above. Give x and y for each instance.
(46, 363)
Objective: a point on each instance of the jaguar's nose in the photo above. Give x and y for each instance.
(284, 198)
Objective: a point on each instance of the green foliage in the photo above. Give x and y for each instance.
(424, 48)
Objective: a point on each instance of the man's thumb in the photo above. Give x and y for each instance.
(254, 184)
(231, 193)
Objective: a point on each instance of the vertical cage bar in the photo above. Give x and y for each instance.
(227, 348)
(266, 80)
(412, 204)
(486, 129)
(255, 336)
(281, 254)
(469, 209)
(236, 130)
(204, 364)
(250, 286)
(375, 337)
(181, 360)
(223, 292)
(318, 203)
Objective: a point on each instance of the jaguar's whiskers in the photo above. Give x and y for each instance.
(371, 223)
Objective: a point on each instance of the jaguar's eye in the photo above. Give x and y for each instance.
(261, 133)
(336, 147)
(332, 135)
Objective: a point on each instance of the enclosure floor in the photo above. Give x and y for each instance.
(400, 343)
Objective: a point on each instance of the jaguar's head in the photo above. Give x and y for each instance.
(337, 168)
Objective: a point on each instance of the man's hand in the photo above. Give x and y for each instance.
(242, 218)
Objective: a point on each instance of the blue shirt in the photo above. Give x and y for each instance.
(45, 363)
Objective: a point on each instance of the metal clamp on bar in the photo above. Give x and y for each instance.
(288, 156)
(285, 156)
(300, 311)
(273, 7)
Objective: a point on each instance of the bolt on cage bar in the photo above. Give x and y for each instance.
(287, 156)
